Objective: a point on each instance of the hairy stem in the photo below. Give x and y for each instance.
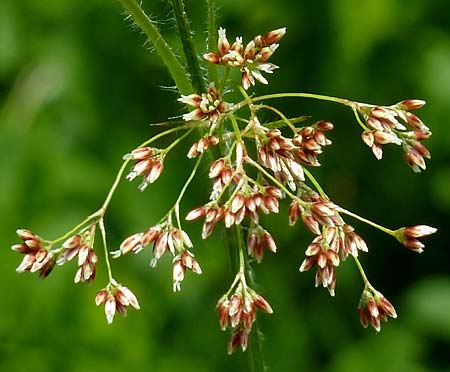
(212, 40)
(190, 53)
(163, 49)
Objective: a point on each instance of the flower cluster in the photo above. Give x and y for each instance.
(328, 249)
(257, 239)
(251, 60)
(408, 236)
(80, 245)
(285, 156)
(200, 146)
(37, 258)
(149, 163)
(390, 125)
(373, 308)
(259, 165)
(116, 297)
(165, 238)
(239, 312)
(247, 201)
(207, 105)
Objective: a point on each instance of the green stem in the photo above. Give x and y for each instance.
(379, 227)
(223, 82)
(361, 271)
(236, 129)
(105, 248)
(212, 40)
(315, 183)
(174, 66)
(272, 178)
(183, 190)
(321, 97)
(281, 115)
(102, 210)
(190, 53)
(358, 119)
(76, 228)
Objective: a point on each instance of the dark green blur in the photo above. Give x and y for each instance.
(78, 89)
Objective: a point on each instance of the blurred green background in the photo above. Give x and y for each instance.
(79, 88)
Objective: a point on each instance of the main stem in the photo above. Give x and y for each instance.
(163, 49)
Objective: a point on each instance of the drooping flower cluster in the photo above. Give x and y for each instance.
(373, 308)
(408, 236)
(80, 245)
(115, 297)
(239, 312)
(247, 201)
(149, 163)
(37, 258)
(200, 146)
(390, 125)
(164, 237)
(257, 239)
(285, 156)
(328, 249)
(251, 60)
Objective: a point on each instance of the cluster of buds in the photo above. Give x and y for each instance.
(148, 164)
(257, 239)
(277, 153)
(310, 141)
(181, 262)
(408, 236)
(208, 105)
(389, 125)
(202, 145)
(81, 246)
(165, 238)
(251, 60)
(239, 311)
(244, 203)
(328, 250)
(222, 174)
(373, 308)
(314, 213)
(37, 258)
(116, 297)
(285, 156)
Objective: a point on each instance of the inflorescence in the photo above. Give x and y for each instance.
(263, 164)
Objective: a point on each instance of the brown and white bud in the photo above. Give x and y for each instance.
(410, 104)
(223, 45)
(373, 308)
(212, 58)
(274, 36)
(368, 138)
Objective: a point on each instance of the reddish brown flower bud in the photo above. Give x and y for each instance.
(410, 104)
(223, 46)
(374, 307)
(274, 36)
(212, 58)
